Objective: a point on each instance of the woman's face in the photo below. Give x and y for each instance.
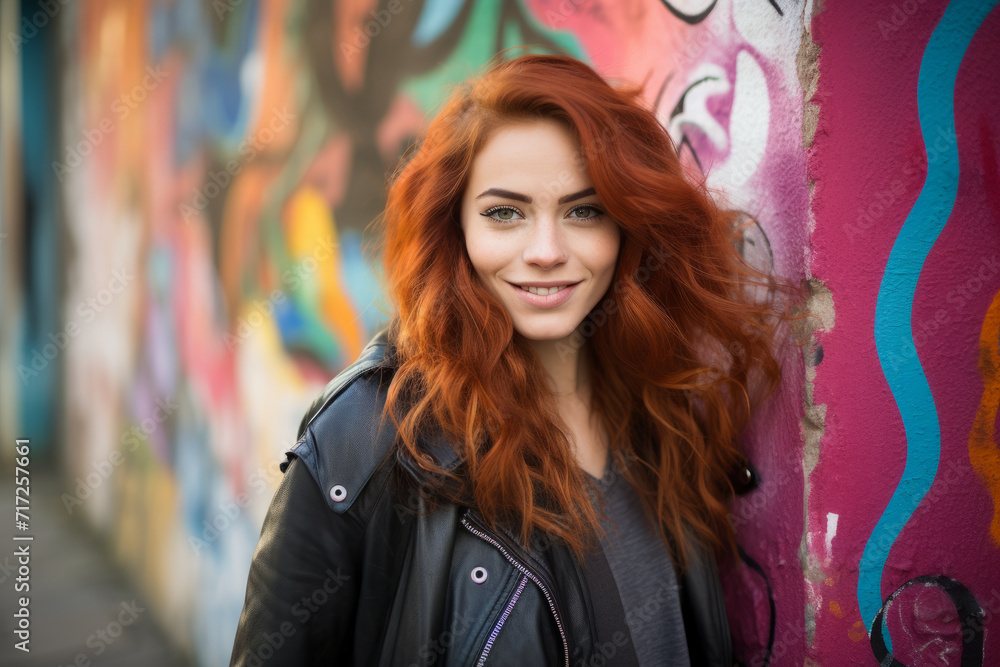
(531, 218)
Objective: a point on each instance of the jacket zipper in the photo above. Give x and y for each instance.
(503, 617)
(528, 573)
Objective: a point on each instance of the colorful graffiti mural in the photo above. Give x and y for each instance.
(221, 163)
(224, 162)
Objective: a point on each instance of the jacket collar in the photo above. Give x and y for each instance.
(381, 351)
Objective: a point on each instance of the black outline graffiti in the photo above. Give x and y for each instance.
(753, 565)
(679, 109)
(969, 613)
(690, 19)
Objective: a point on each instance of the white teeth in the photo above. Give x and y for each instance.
(544, 291)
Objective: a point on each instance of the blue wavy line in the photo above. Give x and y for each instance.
(893, 325)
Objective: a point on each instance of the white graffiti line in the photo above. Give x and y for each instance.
(748, 125)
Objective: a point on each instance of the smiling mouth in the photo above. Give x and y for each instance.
(545, 291)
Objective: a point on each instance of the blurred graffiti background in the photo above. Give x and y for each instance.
(187, 189)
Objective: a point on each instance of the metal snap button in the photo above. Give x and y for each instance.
(479, 574)
(338, 493)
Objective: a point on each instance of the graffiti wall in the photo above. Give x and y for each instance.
(219, 164)
(727, 81)
(902, 511)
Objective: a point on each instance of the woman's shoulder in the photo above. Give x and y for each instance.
(376, 356)
(339, 439)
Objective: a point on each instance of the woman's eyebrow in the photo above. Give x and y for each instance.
(500, 192)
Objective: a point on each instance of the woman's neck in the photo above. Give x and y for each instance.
(569, 376)
(567, 369)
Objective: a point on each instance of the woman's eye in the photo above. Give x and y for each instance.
(502, 213)
(588, 208)
(508, 213)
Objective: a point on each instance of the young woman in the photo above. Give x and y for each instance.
(531, 464)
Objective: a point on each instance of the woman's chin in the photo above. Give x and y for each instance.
(545, 334)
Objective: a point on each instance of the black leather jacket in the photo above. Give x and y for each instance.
(345, 574)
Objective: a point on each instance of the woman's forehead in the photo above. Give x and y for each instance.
(540, 159)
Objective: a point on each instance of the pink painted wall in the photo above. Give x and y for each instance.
(870, 163)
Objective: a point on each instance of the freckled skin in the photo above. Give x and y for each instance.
(542, 240)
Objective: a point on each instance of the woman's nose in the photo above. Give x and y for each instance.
(545, 246)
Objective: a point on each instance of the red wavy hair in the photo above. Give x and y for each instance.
(682, 347)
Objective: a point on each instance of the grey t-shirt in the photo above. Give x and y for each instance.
(644, 574)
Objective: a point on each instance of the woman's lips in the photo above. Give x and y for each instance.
(548, 301)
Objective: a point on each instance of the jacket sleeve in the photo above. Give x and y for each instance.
(302, 590)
